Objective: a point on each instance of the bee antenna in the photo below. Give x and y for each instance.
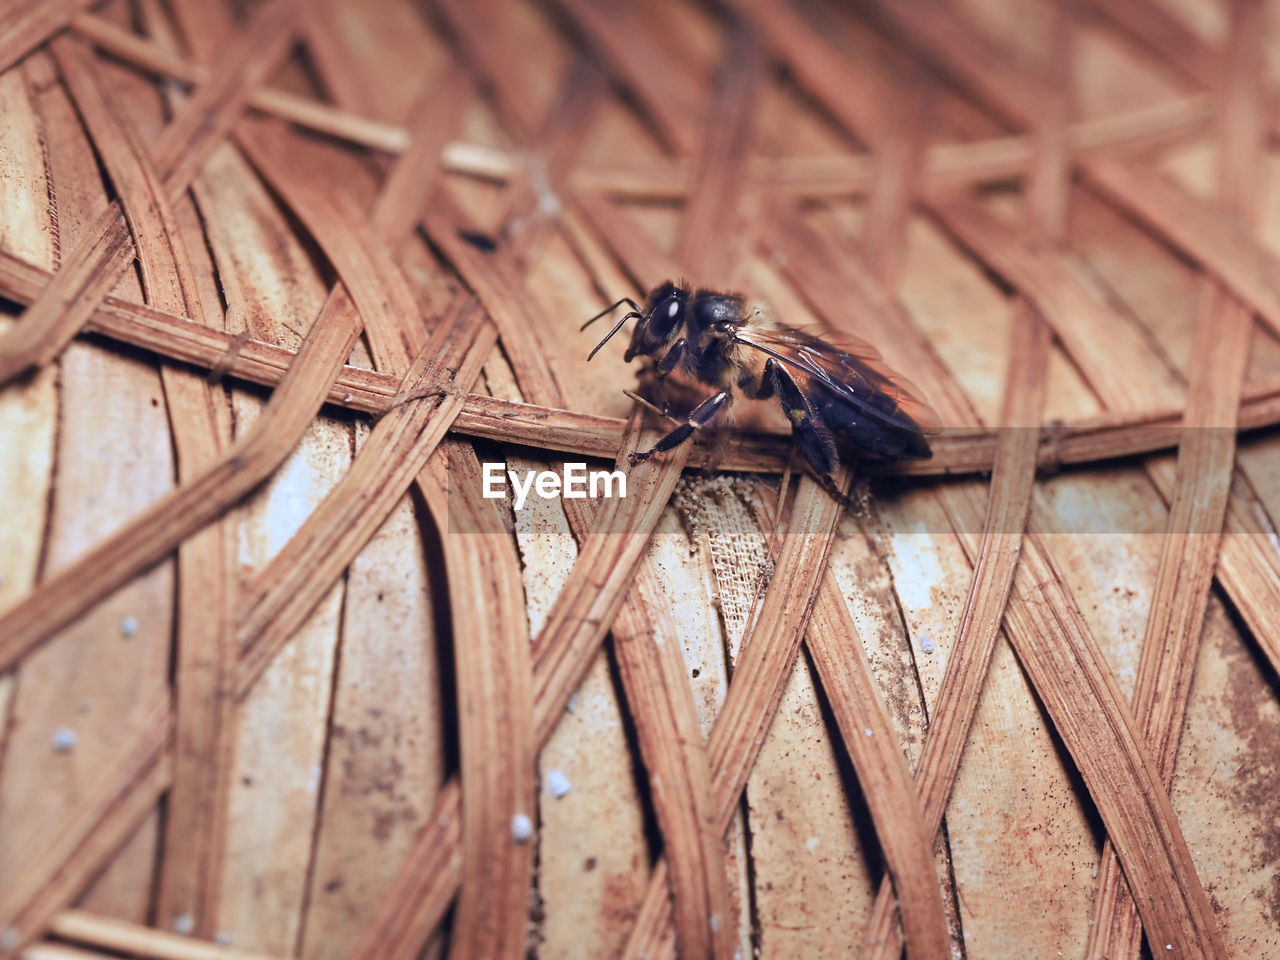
(609, 309)
(609, 336)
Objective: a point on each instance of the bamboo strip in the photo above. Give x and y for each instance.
(491, 650)
(505, 420)
(897, 181)
(560, 655)
(1012, 484)
(68, 593)
(562, 650)
(271, 286)
(767, 657)
(201, 430)
(1194, 225)
(658, 690)
(621, 42)
(1069, 673)
(862, 718)
(1199, 228)
(1206, 460)
(674, 754)
(320, 117)
(283, 594)
(904, 833)
(23, 27)
(701, 891)
(57, 951)
(104, 405)
(111, 808)
(197, 820)
(280, 597)
(249, 461)
(959, 451)
(90, 272)
(1188, 562)
(945, 165)
(1063, 662)
(1010, 500)
(1161, 30)
(478, 47)
(1080, 320)
(110, 934)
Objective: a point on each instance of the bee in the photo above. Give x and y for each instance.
(837, 399)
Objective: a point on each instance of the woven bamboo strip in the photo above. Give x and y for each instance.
(1248, 566)
(132, 780)
(1158, 29)
(1224, 332)
(701, 890)
(343, 350)
(1161, 851)
(202, 430)
(65, 595)
(55, 691)
(814, 265)
(495, 703)
(537, 379)
(554, 148)
(105, 933)
(1081, 441)
(23, 27)
(285, 592)
(657, 687)
(96, 265)
(302, 389)
(1007, 510)
(562, 650)
(391, 138)
(945, 165)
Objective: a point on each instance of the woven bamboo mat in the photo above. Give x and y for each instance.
(277, 680)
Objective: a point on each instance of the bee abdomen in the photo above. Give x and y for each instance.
(862, 429)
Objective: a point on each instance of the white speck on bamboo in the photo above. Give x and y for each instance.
(65, 739)
(557, 783)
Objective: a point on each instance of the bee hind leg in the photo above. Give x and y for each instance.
(702, 414)
(822, 463)
(811, 436)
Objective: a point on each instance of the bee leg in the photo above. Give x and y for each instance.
(636, 398)
(702, 414)
(811, 435)
(670, 360)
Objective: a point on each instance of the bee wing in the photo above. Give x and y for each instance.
(853, 371)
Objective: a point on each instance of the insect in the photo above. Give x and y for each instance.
(834, 397)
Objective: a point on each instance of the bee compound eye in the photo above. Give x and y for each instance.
(665, 317)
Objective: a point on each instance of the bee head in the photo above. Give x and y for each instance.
(664, 315)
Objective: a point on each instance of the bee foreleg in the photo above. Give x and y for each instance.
(702, 414)
(670, 360)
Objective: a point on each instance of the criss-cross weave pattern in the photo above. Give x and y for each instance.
(279, 279)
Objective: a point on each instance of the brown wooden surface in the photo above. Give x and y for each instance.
(260, 695)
